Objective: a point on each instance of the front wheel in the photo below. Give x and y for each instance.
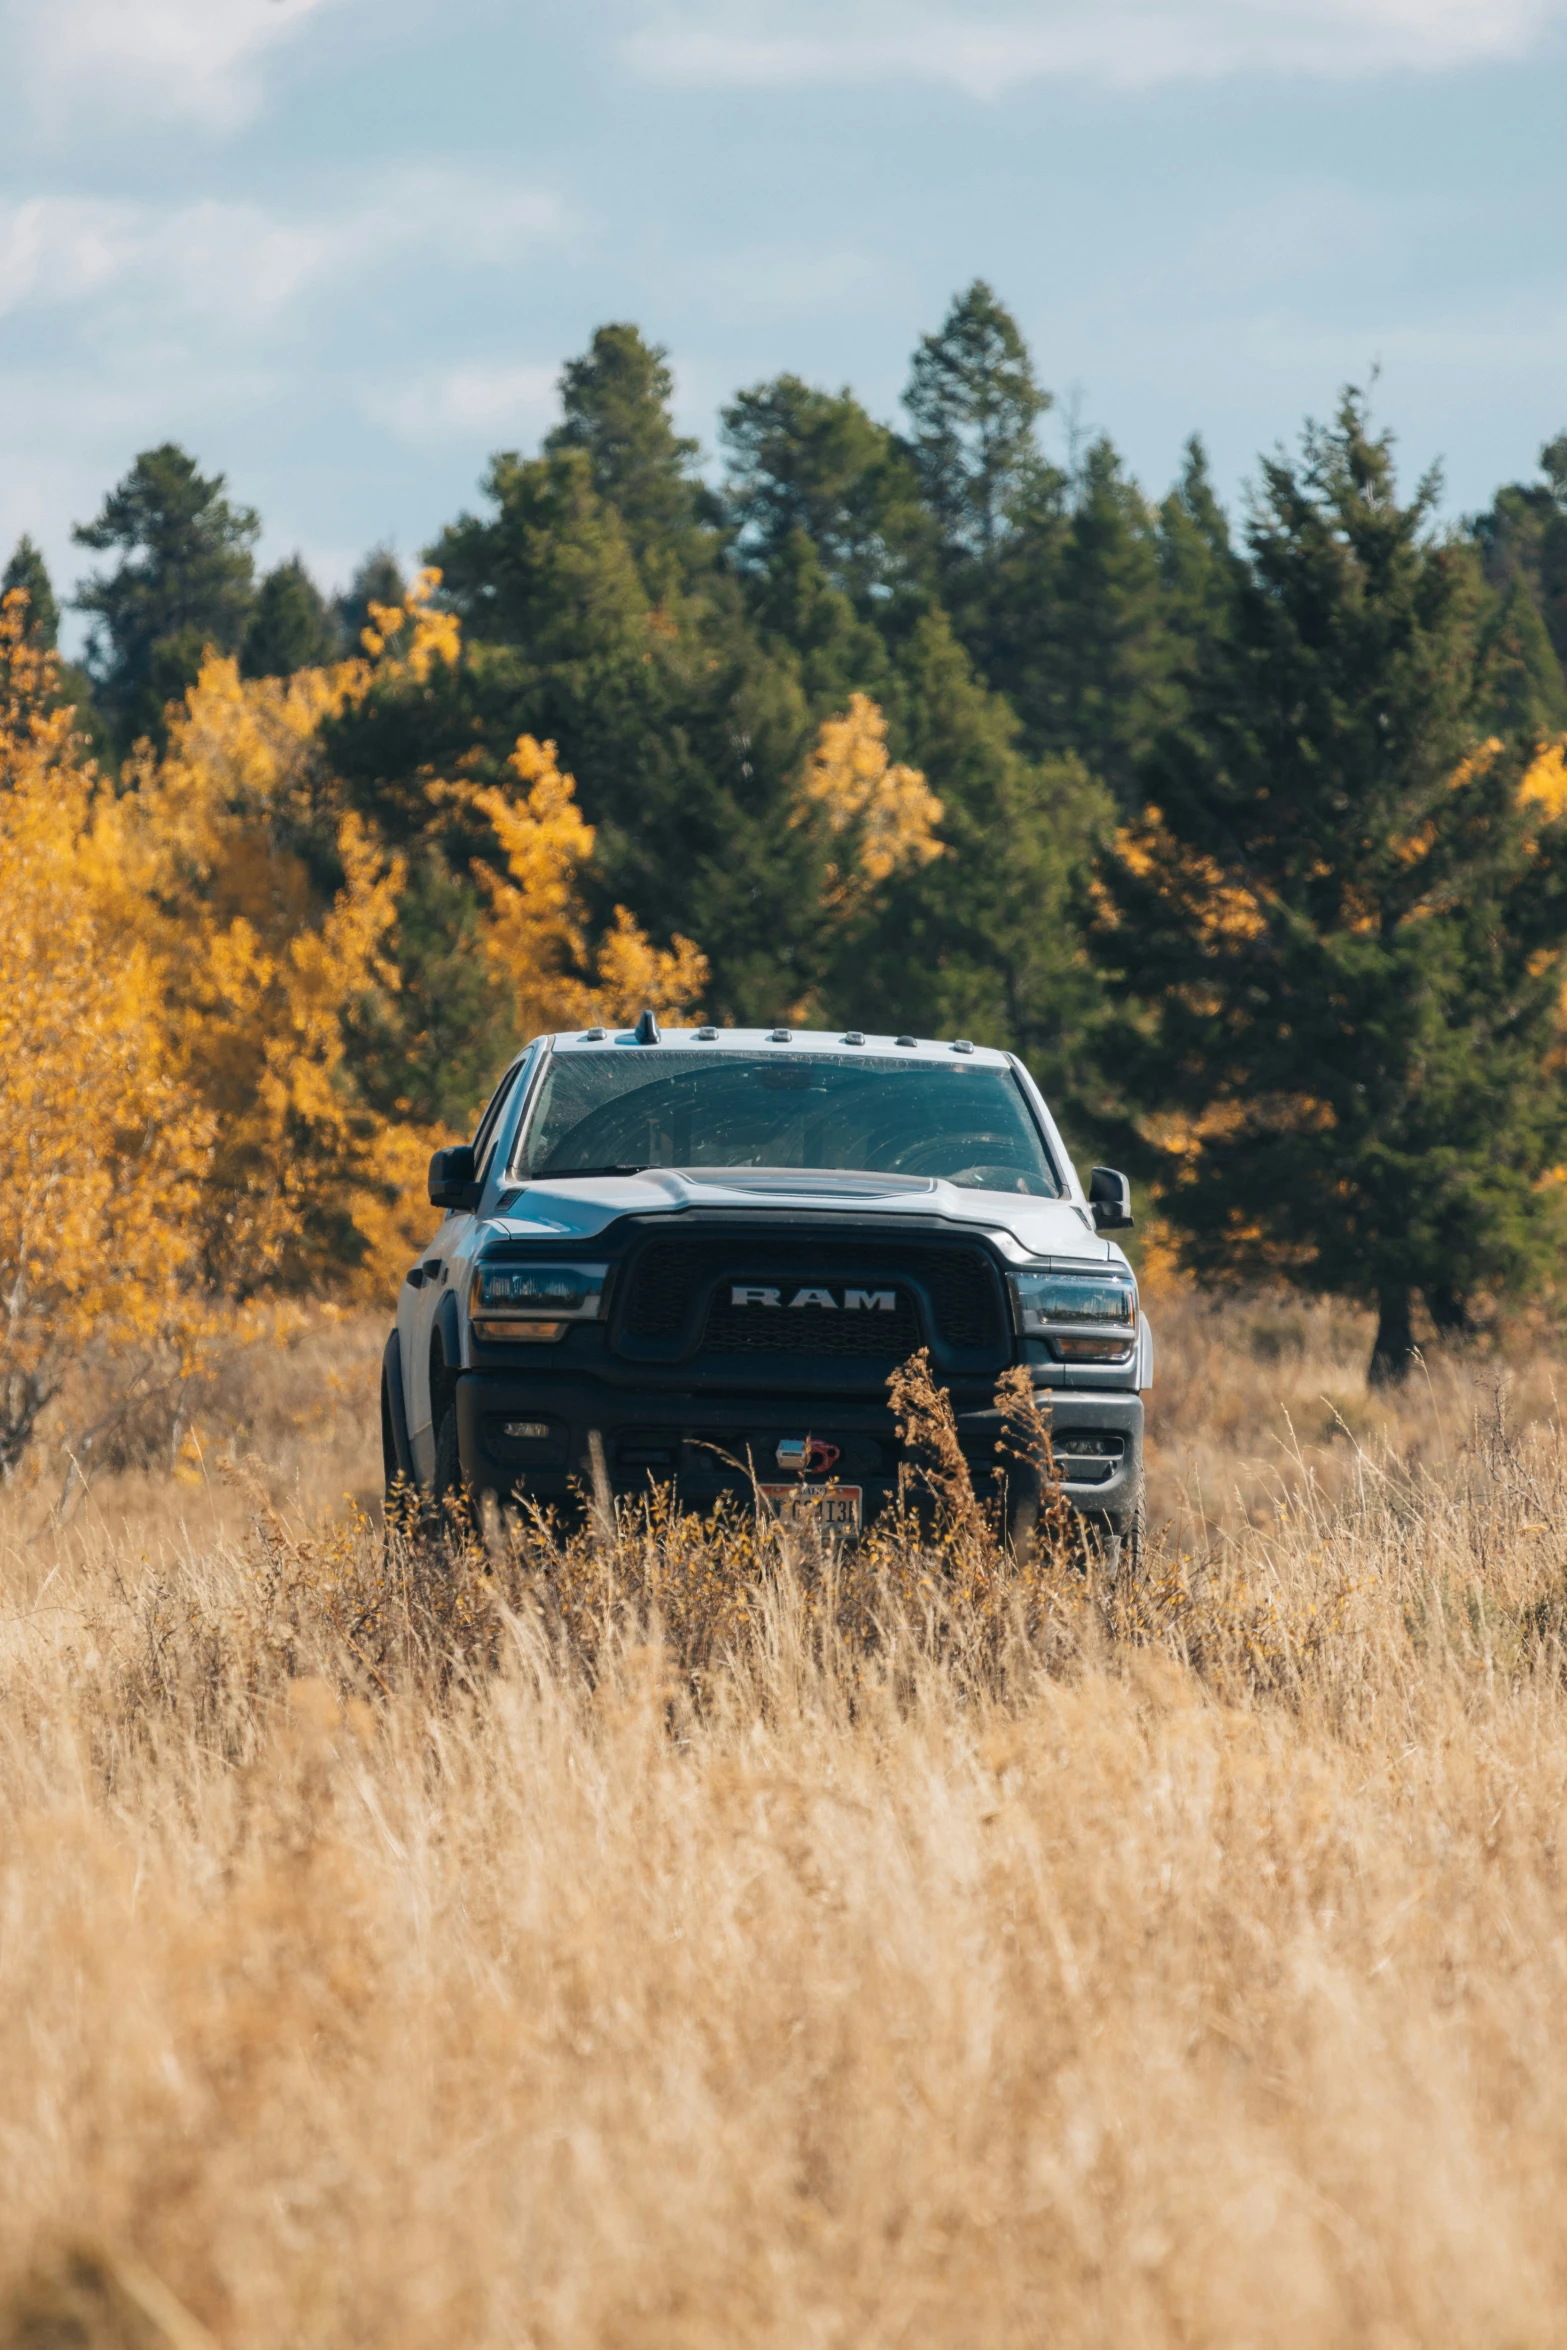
(448, 1486)
(1128, 1544)
(394, 1481)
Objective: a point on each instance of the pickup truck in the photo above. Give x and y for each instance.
(694, 1256)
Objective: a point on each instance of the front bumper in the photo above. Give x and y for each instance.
(529, 1436)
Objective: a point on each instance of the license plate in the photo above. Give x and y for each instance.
(833, 1508)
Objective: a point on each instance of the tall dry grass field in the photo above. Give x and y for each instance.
(665, 1940)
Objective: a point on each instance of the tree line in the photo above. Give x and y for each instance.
(1245, 834)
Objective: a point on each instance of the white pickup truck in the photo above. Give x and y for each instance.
(696, 1255)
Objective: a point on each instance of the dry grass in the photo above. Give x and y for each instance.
(672, 1943)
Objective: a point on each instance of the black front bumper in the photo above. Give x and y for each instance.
(530, 1436)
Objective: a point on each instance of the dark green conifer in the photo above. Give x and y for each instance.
(1337, 936)
(184, 581)
(378, 580)
(986, 941)
(1107, 688)
(1197, 560)
(1524, 534)
(617, 398)
(28, 571)
(974, 405)
(292, 626)
(803, 461)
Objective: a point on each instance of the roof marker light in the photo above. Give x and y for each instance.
(908, 1040)
(964, 1044)
(595, 1036)
(781, 1036)
(708, 1035)
(854, 1037)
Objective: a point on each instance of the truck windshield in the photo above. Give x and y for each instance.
(617, 1111)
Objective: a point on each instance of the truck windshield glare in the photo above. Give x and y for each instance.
(620, 1112)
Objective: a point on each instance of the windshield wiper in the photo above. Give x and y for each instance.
(579, 1174)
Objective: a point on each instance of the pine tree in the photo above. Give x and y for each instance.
(814, 463)
(551, 570)
(974, 404)
(292, 626)
(378, 580)
(617, 399)
(28, 571)
(59, 684)
(1197, 561)
(184, 581)
(1524, 534)
(803, 620)
(1080, 626)
(685, 731)
(1337, 929)
(986, 940)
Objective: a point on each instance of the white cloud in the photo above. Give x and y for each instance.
(192, 60)
(773, 279)
(989, 46)
(244, 265)
(460, 403)
(59, 248)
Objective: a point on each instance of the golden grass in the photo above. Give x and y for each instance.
(667, 1943)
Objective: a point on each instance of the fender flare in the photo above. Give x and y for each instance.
(446, 1330)
(396, 1402)
(445, 1355)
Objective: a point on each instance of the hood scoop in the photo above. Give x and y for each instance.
(805, 1183)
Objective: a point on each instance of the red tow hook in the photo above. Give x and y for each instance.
(809, 1456)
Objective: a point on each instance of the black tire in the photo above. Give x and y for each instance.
(1132, 1541)
(391, 1468)
(448, 1486)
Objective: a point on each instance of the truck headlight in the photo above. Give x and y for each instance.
(1086, 1317)
(511, 1303)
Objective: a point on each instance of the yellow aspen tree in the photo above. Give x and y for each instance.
(259, 969)
(880, 817)
(104, 1151)
(263, 972)
(536, 933)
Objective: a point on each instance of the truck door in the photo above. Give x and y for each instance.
(427, 1282)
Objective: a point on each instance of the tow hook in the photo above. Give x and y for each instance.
(807, 1455)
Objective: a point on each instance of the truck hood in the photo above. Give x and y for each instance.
(1022, 1227)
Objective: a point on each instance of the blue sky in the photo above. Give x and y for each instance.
(339, 248)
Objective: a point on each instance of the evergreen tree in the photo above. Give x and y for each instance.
(815, 464)
(685, 732)
(974, 404)
(1198, 565)
(985, 941)
(1337, 931)
(378, 580)
(552, 570)
(292, 626)
(184, 581)
(1055, 585)
(1528, 684)
(434, 1045)
(616, 399)
(28, 571)
(68, 686)
(1523, 543)
(1077, 630)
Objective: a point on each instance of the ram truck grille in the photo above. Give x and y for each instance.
(840, 1337)
(680, 1287)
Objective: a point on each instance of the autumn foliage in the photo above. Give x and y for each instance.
(192, 953)
(103, 1145)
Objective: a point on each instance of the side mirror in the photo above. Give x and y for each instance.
(1109, 1200)
(452, 1178)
